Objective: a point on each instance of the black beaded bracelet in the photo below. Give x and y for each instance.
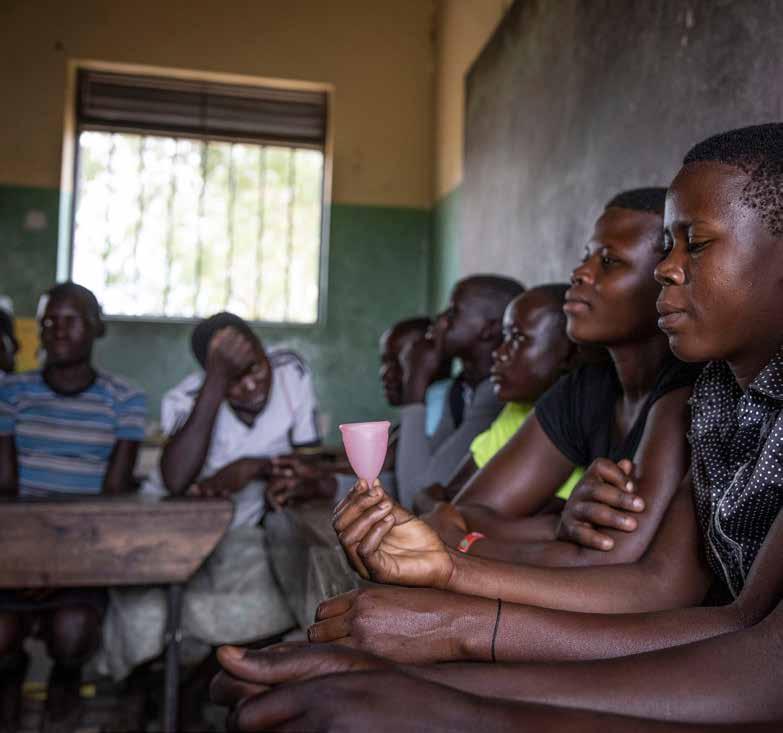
(495, 632)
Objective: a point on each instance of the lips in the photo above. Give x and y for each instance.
(496, 377)
(671, 316)
(575, 303)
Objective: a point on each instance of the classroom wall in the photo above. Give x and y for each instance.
(462, 27)
(379, 57)
(574, 100)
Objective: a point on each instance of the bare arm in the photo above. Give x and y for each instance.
(184, 454)
(730, 678)
(387, 544)
(671, 573)
(9, 476)
(383, 700)
(328, 686)
(660, 464)
(517, 482)
(119, 473)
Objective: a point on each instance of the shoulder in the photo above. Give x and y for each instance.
(184, 391)
(284, 359)
(15, 385)
(714, 380)
(117, 388)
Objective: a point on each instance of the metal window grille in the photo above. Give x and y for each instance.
(191, 199)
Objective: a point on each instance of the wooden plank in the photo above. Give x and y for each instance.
(107, 541)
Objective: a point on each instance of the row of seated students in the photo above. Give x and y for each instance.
(653, 602)
(625, 419)
(71, 429)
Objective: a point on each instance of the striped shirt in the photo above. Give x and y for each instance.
(64, 442)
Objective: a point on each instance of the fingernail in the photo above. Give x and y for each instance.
(607, 544)
(388, 518)
(629, 523)
(629, 486)
(638, 504)
(385, 505)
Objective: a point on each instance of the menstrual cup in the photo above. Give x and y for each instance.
(365, 445)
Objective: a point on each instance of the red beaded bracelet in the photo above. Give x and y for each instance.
(467, 541)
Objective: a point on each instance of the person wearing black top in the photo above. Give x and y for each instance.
(631, 407)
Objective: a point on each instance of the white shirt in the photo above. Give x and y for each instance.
(290, 418)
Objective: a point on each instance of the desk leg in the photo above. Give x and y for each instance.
(173, 638)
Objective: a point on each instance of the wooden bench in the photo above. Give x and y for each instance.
(105, 541)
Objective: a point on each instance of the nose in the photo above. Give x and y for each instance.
(583, 274)
(671, 269)
(500, 355)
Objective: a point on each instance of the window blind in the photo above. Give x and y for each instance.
(201, 109)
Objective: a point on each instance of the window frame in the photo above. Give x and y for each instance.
(71, 169)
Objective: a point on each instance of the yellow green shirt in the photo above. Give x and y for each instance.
(510, 419)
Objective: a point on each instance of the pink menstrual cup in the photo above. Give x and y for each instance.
(365, 444)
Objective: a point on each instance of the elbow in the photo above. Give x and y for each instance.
(173, 483)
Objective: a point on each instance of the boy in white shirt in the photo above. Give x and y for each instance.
(224, 425)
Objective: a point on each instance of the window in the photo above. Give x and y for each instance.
(195, 197)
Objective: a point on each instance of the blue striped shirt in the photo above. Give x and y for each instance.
(64, 442)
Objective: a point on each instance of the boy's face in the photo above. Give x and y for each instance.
(67, 334)
(461, 325)
(534, 351)
(392, 344)
(723, 271)
(612, 296)
(250, 392)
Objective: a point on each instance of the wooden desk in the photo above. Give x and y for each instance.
(103, 541)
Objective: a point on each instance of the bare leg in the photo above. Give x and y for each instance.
(72, 635)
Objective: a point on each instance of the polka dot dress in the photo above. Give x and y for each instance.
(737, 466)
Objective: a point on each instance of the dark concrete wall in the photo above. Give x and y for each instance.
(574, 100)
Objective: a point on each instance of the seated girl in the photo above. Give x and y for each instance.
(632, 407)
(535, 352)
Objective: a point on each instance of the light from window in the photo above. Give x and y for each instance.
(181, 227)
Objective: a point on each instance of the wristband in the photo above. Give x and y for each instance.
(467, 541)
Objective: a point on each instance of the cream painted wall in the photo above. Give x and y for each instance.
(378, 55)
(462, 29)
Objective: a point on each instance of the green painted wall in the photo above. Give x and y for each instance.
(378, 273)
(444, 259)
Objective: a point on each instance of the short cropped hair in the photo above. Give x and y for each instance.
(495, 291)
(206, 329)
(758, 152)
(651, 200)
(92, 307)
(555, 293)
(418, 323)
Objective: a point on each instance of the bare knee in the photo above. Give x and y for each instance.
(72, 634)
(13, 631)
